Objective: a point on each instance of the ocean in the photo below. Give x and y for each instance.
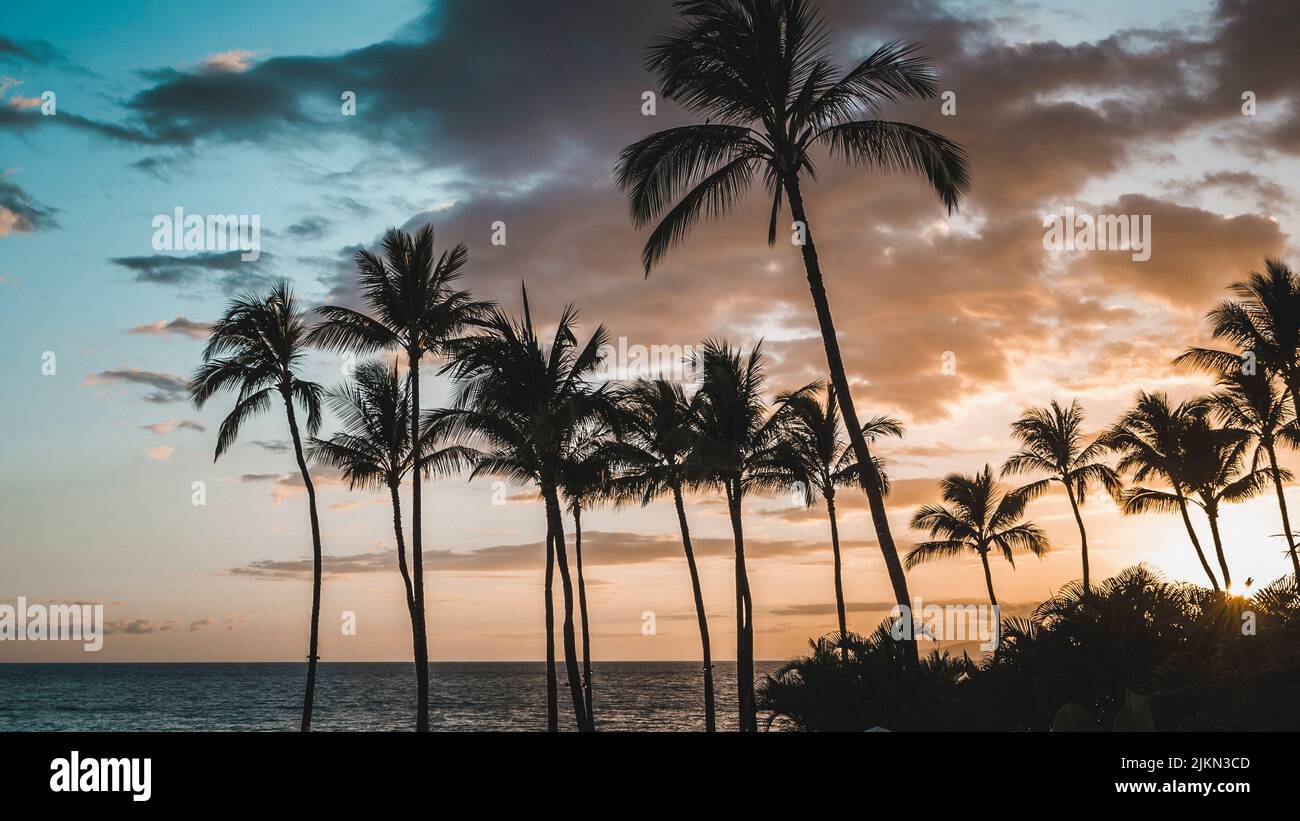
(492, 696)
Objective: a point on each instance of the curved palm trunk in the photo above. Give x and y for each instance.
(1212, 513)
(552, 693)
(710, 717)
(556, 520)
(1196, 543)
(988, 577)
(406, 574)
(401, 550)
(582, 612)
(868, 478)
(417, 557)
(1281, 503)
(839, 581)
(309, 698)
(1083, 534)
(744, 619)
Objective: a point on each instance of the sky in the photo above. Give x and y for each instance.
(470, 114)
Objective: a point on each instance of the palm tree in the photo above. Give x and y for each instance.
(1263, 414)
(373, 451)
(584, 480)
(740, 447)
(1051, 442)
(416, 309)
(760, 73)
(982, 519)
(258, 347)
(1151, 438)
(1263, 323)
(818, 443)
(652, 460)
(1213, 471)
(526, 404)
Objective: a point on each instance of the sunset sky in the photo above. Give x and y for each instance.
(469, 113)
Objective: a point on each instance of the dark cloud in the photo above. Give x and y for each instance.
(168, 387)
(223, 269)
(312, 227)
(34, 52)
(174, 425)
(180, 326)
(272, 445)
(20, 212)
(598, 549)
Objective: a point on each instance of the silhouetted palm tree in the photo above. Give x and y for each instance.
(416, 308)
(1151, 438)
(584, 480)
(981, 519)
(526, 403)
(1051, 442)
(1213, 472)
(258, 347)
(761, 73)
(652, 460)
(819, 444)
(740, 447)
(373, 451)
(1263, 323)
(1256, 407)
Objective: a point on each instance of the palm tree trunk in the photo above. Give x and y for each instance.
(417, 557)
(552, 694)
(556, 520)
(309, 698)
(988, 577)
(1281, 503)
(401, 549)
(868, 477)
(1196, 543)
(1212, 513)
(1083, 534)
(710, 717)
(401, 566)
(748, 712)
(839, 581)
(582, 611)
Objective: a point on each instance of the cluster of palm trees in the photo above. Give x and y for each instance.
(532, 412)
(760, 75)
(535, 412)
(1203, 452)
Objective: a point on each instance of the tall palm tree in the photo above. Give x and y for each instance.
(415, 306)
(526, 403)
(740, 447)
(1213, 473)
(1255, 406)
(819, 445)
(981, 519)
(258, 347)
(373, 451)
(652, 460)
(1051, 441)
(761, 74)
(1262, 323)
(584, 480)
(1151, 439)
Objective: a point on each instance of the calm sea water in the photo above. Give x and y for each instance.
(350, 696)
